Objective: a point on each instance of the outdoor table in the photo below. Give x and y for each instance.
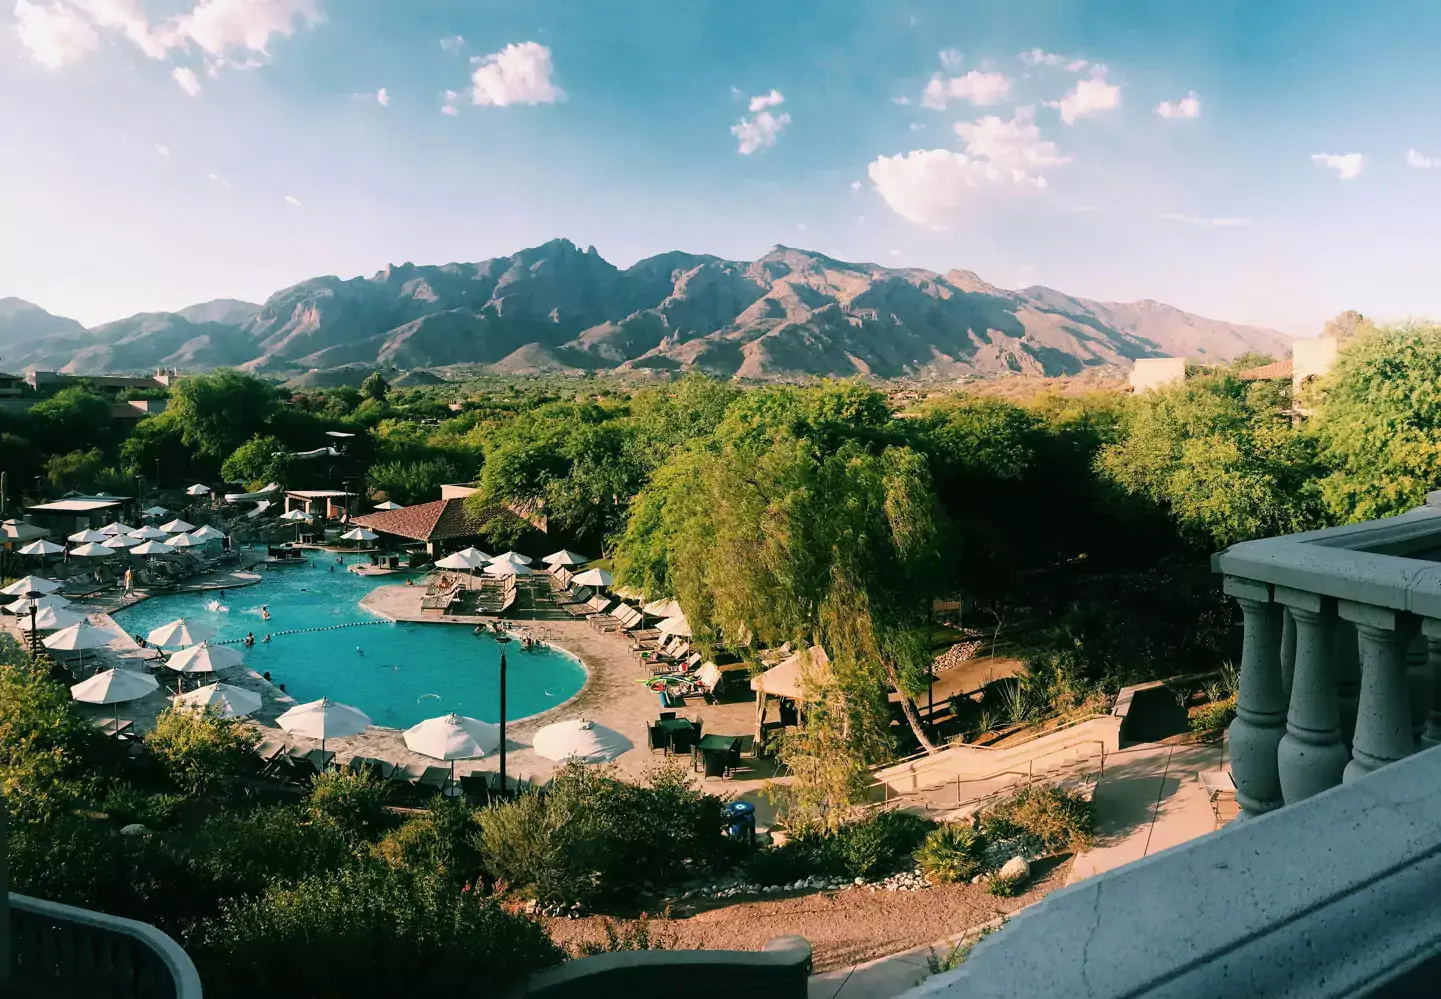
(671, 727)
(723, 746)
(109, 726)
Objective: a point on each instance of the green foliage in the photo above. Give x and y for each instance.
(951, 853)
(375, 387)
(637, 935)
(440, 842)
(258, 462)
(779, 865)
(1214, 716)
(367, 930)
(408, 482)
(878, 844)
(46, 745)
(220, 410)
(201, 750)
(75, 470)
(1050, 819)
(71, 416)
(1003, 886)
(353, 802)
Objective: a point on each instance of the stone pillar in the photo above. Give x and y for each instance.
(1420, 682)
(1288, 650)
(1383, 715)
(1260, 704)
(1311, 756)
(1348, 677)
(1432, 630)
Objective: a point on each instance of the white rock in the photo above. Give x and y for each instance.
(1016, 867)
(134, 829)
(859, 881)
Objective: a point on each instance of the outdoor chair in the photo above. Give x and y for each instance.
(681, 741)
(714, 762)
(476, 788)
(656, 738)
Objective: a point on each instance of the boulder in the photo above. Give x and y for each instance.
(134, 829)
(1016, 867)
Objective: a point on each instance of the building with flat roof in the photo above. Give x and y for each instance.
(76, 512)
(330, 503)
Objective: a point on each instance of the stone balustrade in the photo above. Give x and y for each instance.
(1341, 644)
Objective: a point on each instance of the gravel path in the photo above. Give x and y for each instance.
(844, 927)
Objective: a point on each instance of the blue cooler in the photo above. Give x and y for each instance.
(741, 816)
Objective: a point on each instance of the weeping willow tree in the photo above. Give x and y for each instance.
(804, 519)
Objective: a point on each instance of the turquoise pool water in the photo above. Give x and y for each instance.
(403, 673)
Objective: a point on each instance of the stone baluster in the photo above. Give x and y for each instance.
(1288, 650)
(1260, 703)
(1432, 630)
(1311, 756)
(1348, 677)
(1383, 714)
(1419, 682)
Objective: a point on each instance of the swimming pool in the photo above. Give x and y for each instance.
(397, 673)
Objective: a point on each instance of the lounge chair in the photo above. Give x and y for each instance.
(476, 788)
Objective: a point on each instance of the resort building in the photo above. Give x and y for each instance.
(442, 524)
(75, 512)
(16, 534)
(330, 504)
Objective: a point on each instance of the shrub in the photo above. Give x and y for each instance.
(438, 843)
(778, 865)
(201, 750)
(952, 852)
(240, 853)
(46, 746)
(636, 935)
(1051, 820)
(125, 803)
(1214, 716)
(367, 930)
(878, 844)
(354, 802)
(1004, 887)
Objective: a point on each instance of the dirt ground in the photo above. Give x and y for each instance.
(844, 927)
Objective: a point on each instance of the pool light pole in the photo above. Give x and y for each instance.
(33, 596)
(502, 639)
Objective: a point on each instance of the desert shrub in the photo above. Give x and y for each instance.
(1214, 716)
(47, 748)
(635, 935)
(778, 865)
(201, 750)
(125, 803)
(354, 802)
(878, 844)
(952, 852)
(367, 930)
(1004, 887)
(241, 853)
(439, 843)
(1049, 819)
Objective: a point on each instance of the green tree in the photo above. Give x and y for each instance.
(1347, 324)
(259, 461)
(201, 750)
(375, 387)
(46, 745)
(220, 410)
(73, 415)
(408, 482)
(75, 470)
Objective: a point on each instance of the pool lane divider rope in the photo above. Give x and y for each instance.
(303, 631)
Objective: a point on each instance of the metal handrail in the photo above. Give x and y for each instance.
(936, 756)
(1029, 773)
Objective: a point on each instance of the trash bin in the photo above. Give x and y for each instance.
(741, 816)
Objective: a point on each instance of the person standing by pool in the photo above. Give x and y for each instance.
(129, 582)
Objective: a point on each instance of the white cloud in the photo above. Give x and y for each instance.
(218, 26)
(162, 150)
(1347, 166)
(52, 33)
(293, 202)
(1089, 96)
(950, 58)
(976, 87)
(189, 82)
(903, 101)
(916, 126)
(382, 97)
(452, 43)
(1420, 161)
(895, 253)
(1039, 57)
(517, 74)
(934, 187)
(127, 16)
(449, 109)
(770, 100)
(762, 131)
(218, 180)
(1218, 222)
(802, 226)
(1014, 145)
(855, 185)
(1187, 107)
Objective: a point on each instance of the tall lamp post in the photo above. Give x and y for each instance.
(33, 596)
(502, 639)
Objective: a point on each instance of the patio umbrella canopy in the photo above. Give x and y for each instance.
(30, 584)
(580, 739)
(565, 557)
(115, 527)
(155, 511)
(148, 533)
(204, 658)
(114, 686)
(593, 577)
(178, 633)
(177, 526)
(151, 548)
(453, 737)
(359, 534)
(323, 719)
(92, 550)
(675, 626)
(88, 536)
(460, 560)
(208, 533)
(23, 605)
(121, 541)
(42, 547)
(499, 568)
(388, 505)
(50, 619)
(79, 637)
(515, 558)
(663, 608)
(225, 699)
(295, 516)
(184, 541)
(198, 490)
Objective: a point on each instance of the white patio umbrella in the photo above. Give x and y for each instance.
(198, 490)
(91, 550)
(499, 568)
(593, 577)
(178, 633)
(453, 737)
(121, 541)
(23, 605)
(565, 557)
(359, 534)
(675, 626)
(79, 637)
(148, 533)
(204, 658)
(666, 607)
(30, 584)
(151, 548)
(476, 556)
(115, 527)
(42, 547)
(155, 511)
(88, 536)
(462, 560)
(323, 719)
(388, 505)
(208, 533)
(513, 557)
(184, 541)
(225, 699)
(295, 516)
(51, 619)
(114, 686)
(177, 526)
(582, 739)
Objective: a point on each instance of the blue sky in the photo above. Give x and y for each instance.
(162, 152)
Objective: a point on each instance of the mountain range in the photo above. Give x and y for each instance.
(790, 314)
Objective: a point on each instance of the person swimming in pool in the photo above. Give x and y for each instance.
(265, 639)
(264, 613)
(360, 652)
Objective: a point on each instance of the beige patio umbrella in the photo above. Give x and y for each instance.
(148, 533)
(79, 637)
(675, 626)
(453, 737)
(581, 739)
(51, 619)
(92, 550)
(42, 547)
(324, 719)
(115, 527)
(565, 557)
(593, 577)
(470, 559)
(114, 686)
(24, 604)
(178, 633)
(30, 584)
(87, 537)
(177, 526)
(225, 699)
